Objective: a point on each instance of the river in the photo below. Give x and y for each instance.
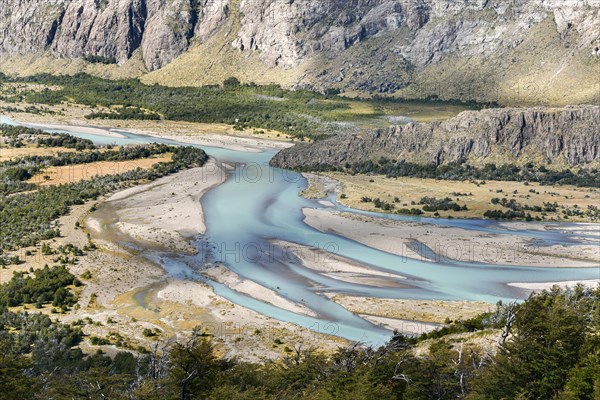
(258, 207)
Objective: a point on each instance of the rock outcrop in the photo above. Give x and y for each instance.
(112, 29)
(474, 49)
(566, 136)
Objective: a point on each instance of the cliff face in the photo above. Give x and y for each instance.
(289, 32)
(420, 47)
(567, 136)
(162, 29)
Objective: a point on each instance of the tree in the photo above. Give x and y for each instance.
(193, 366)
(231, 82)
(60, 297)
(549, 337)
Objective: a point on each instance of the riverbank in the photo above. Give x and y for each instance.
(428, 242)
(70, 118)
(331, 265)
(143, 288)
(81, 127)
(129, 297)
(562, 203)
(137, 226)
(166, 213)
(593, 283)
(409, 317)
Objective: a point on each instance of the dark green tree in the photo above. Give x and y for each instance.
(550, 333)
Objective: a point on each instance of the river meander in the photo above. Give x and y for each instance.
(258, 208)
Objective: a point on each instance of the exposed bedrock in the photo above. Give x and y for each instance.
(569, 136)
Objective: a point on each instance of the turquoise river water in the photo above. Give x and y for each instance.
(258, 208)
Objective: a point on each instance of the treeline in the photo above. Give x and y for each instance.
(14, 172)
(300, 113)
(509, 215)
(516, 206)
(517, 210)
(67, 141)
(433, 99)
(126, 153)
(18, 134)
(548, 349)
(26, 109)
(430, 204)
(456, 171)
(378, 203)
(28, 218)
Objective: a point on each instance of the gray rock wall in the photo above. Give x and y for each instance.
(565, 136)
(286, 32)
(162, 29)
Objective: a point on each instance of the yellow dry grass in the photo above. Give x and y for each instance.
(75, 173)
(435, 311)
(31, 64)
(10, 153)
(478, 195)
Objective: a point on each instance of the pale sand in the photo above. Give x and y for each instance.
(171, 240)
(340, 268)
(345, 270)
(238, 143)
(406, 327)
(431, 311)
(166, 212)
(227, 277)
(172, 305)
(217, 135)
(88, 129)
(398, 237)
(592, 283)
(245, 334)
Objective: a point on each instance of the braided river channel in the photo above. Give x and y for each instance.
(257, 211)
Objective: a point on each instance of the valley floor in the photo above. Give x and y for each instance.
(129, 293)
(478, 196)
(66, 116)
(429, 242)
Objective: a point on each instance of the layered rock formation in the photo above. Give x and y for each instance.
(565, 136)
(162, 29)
(511, 51)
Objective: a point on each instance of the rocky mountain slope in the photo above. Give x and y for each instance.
(561, 136)
(518, 51)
